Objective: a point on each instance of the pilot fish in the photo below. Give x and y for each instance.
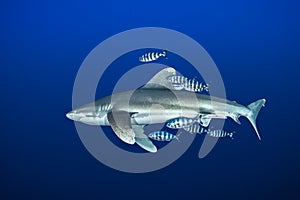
(191, 85)
(195, 128)
(177, 81)
(152, 56)
(162, 136)
(180, 122)
(219, 133)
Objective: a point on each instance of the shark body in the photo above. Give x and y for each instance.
(157, 102)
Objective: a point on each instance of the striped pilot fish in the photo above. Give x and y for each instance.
(177, 81)
(193, 85)
(180, 122)
(195, 128)
(162, 136)
(219, 133)
(152, 56)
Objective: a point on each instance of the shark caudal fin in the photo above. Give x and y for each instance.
(254, 110)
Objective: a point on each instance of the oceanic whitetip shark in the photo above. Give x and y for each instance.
(157, 102)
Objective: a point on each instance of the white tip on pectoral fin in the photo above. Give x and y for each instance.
(121, 125)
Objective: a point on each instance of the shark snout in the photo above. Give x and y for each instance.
(72, 115)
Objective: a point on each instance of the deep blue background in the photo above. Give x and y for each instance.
(255, 45)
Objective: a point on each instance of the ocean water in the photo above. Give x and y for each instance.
(255, 46)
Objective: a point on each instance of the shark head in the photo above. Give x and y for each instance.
(87, 114)
(76, 115)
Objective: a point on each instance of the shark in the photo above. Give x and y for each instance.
(157, 101)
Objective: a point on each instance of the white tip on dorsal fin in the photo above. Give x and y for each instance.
(160, 80)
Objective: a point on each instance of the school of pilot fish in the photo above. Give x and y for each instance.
(188, 124)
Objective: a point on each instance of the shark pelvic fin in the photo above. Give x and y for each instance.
(142, 140)
(160, 80)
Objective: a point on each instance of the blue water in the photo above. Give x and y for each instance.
(255, 45)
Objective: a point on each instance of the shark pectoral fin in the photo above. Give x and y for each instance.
(160, 80)
(121, 125)
(142, 140)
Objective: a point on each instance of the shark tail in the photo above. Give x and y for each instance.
(254, 110)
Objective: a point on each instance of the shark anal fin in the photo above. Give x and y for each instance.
(121, 125)
(236, 119)
(142, 140)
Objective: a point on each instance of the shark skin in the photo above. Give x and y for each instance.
(156, 102)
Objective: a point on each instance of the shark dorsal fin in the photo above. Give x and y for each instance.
(160, 80)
